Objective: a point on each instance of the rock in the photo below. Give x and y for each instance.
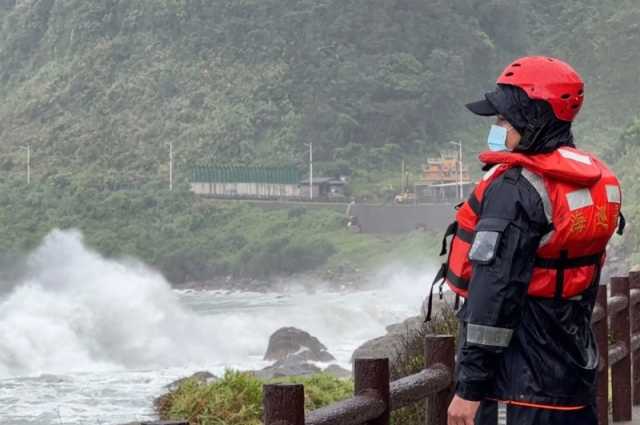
(291, 366)
(411, 325)
(337, 371)
(291, 341)
(292, 349)
(449, 298)
(392, 344)
(202, 377)
(385, 346)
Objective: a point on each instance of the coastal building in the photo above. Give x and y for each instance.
(274, 183)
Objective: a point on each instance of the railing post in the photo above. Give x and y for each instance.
(439, 349)
(283, 404)
(634, 283)
(621, 371)
(371, 378)
(602, 337)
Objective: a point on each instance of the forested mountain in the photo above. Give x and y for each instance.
(99, 87)
(103, 85)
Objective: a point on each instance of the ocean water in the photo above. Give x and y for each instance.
(89, 340)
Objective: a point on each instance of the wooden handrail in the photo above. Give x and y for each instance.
(375, 397)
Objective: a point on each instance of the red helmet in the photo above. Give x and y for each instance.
(548, 79)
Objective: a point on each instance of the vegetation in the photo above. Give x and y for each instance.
(188, 238)
(236, 399)
(99, 88)
(410, 359)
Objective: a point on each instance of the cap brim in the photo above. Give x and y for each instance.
(482, 107)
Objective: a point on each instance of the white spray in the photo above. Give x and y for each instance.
(80, 324)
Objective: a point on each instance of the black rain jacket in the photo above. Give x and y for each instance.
(552, 357)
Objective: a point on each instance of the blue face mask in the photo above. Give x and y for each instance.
(497, 139)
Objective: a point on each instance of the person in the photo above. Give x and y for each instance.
(526, 254)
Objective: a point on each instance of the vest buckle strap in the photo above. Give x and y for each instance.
(439, 276)
(474, 204)
(457, 281)
(568, 263)
(465, 235)
(451, 230)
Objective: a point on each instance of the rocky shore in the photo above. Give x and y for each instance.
(334, 279)
(295, 352)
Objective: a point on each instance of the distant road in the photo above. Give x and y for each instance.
(271, 204)
(374, 218)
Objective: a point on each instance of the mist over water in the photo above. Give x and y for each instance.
(78, 311)
(90, 336)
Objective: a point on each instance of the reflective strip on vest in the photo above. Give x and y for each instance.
(575, 156)
(502, 413)
(488, 335)
(613, 194)
(579, 199)
(489, 173)
(538, 184)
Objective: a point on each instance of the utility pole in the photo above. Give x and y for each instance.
(170, 166)
(28, 148)
(459, 144)
(310, 170)
(29, 164)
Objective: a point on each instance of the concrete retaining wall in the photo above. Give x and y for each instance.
(402, 218)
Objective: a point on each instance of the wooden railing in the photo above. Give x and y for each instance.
(375, 397)
(623, 311)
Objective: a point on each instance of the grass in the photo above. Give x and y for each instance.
(236, 398)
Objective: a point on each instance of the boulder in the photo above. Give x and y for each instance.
(448, 298)
(384, 346)
(203, 377)
(337, 371)
(410, 326)
(291, 341)
(392, 344)
(291, 366)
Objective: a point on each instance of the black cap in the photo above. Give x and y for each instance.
(482, 107)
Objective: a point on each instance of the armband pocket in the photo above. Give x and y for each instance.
(488, 234)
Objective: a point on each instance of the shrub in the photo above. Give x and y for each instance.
(236, 399)
(411, 360)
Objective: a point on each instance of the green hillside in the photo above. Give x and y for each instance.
(99, 88)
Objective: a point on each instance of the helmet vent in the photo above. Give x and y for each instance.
(516, 64)
(575, 106)
(581, 92)
(566, 96)
(508, 74)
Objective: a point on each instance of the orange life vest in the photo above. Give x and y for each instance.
(581, 199)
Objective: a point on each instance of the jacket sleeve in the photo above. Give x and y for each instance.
(502, 255)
